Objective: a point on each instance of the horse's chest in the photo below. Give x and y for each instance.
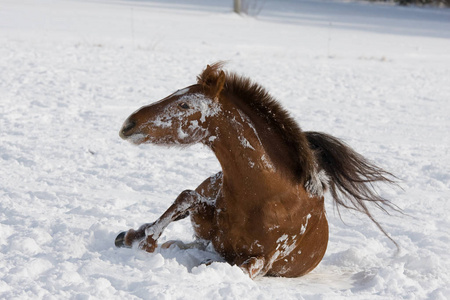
(240, 232)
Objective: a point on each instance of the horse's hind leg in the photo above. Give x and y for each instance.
(150, 232)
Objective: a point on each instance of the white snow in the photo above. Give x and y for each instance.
(303, 228)
(318, 183)
(72, 71)
(181, 92)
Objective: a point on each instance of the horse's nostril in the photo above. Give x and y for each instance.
(127, 127)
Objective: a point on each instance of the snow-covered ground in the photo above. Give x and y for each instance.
(72, 71)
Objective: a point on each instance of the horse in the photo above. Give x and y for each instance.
(264, 211)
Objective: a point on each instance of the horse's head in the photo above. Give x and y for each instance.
(181, 118)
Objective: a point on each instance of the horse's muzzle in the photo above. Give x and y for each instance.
(127, 129)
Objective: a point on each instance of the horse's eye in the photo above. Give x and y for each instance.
(183, 105)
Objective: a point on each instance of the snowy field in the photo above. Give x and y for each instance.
(374, 75)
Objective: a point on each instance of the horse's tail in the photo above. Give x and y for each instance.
(351, 176)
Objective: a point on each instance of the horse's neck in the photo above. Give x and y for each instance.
(245, 163)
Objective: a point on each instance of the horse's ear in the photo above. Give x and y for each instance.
(219, 85)
(212, 79)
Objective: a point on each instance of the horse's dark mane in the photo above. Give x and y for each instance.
(281, 136)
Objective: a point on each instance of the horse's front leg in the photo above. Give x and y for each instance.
(149, 233)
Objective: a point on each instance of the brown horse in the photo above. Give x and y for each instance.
(265, 211)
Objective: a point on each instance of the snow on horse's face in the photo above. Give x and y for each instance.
(181, 118)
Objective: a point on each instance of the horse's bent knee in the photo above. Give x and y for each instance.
(187, 196)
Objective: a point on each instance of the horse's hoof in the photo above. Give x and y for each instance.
(120, 240)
